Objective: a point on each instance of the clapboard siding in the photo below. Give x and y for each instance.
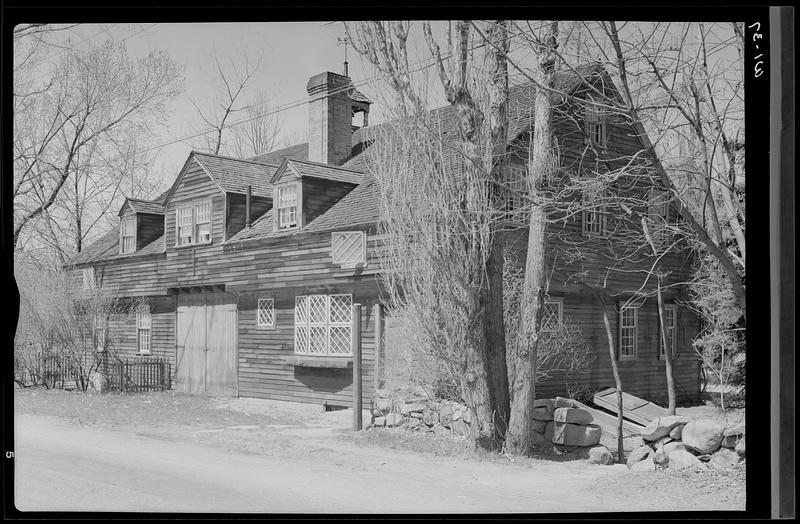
(122, 334)
(196, 187)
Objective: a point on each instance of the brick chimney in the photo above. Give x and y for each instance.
(330, 117)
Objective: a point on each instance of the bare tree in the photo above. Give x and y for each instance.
(73, 135)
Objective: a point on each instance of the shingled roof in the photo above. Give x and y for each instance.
(234, 175)
(107, 248)
(306, 168)
(295, 152)
(154, 207)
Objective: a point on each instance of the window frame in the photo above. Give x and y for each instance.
(307, 325)
(596, 123)
(362, 261)
(140, 316)
(88, 278)
(294, 186)
(669, 335)
(635, 337)
(513, 203)
(259, 323)
(193, 224)
(127, 220)
(560, 302)
(599, 209)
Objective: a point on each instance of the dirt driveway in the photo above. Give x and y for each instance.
(168, 452)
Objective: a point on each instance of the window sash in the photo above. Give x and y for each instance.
(595, 118)
(128, 234)
(552, 316)
(287, 206)
(348, 247)
(143, 331)
(594, 219)
(266, 312)
(323, 325)
(89, 282)
(193, 224)
(628, 332)
(670, 328)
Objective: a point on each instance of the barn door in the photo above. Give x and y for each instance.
(206, 355)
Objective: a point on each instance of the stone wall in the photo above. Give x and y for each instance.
(414, 410)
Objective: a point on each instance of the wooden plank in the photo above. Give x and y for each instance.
(642, 414)
(629, 402)
(609, 422)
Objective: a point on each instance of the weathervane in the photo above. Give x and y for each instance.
(344, 40)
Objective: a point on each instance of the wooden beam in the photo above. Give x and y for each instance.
(356, 367)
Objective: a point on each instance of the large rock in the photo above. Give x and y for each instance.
(724, 459)
(440, 430)
(549, 430)
(600, 455)
(576, 435)
(466, 416)
(539, 425)
(660, 458)
(414, 423)
(661, 426)
(460, 428)
(561, 402)
(740, 446)
(639, 454)
(735, 430)
(546, 403)
(98, 382)
(660, 442)
(669, 447)
(681, 459)
(703, 436)
(415, 407)
(629, 443)
(643, 465)
(573, 416)
(542, 414)
(676, 432)
(540, 441)
(394, 419)
(430, 417)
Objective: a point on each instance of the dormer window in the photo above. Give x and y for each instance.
(287, 206)
(193, 224)
(128, 235)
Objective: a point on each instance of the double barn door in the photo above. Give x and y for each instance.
(206, 357)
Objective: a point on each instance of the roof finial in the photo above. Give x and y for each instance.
(344, 40)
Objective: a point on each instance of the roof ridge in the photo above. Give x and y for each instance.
(351, 170)
(226, 157)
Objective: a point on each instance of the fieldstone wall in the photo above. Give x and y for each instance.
(560, 426)
(678, 443)
(415, 411)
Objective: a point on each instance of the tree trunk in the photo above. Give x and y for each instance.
(667, 352)
(518, 436)
(617, 379)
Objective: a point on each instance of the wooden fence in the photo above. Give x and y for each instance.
(140, 374)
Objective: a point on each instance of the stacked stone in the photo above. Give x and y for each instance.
(415, 411)
(677, 443)
(561, 426)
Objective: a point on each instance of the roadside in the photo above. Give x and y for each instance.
(302, 433)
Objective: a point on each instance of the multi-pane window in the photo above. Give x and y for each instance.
(202, 222)
(595, 118)
(100, 332)
(287, 206)
(323, 325)
(658, 214)
(128, 234)
(88, 279)
(348, 247)
(266, 313)
(514, 181)
(628, 329)
(593, 214)
(552, 315)
(670, 321)
(143, 338)
(193, 224)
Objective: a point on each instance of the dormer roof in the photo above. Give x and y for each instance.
(137, 205)
(308, 169)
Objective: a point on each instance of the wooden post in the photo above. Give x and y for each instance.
(377, 315)
(356, 367)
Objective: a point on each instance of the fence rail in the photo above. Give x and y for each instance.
(141, 374)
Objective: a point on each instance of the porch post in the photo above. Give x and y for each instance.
(356, 367)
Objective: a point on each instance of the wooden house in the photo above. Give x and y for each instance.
(249, 267)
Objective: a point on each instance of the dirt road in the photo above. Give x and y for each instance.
(61, 467)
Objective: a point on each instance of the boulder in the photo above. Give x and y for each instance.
(383, 404)
(660, 442)
(600, 455)
(544, 403)
(724, 459)
(540, 441)
(430, 417)
(681, 459)
(561, 402)
(661, 426)
(643, 465)
(549, 430)
(630, 443)
(379, 422)
(740, 447)
(735, 430)
(731, 441)
(446, 414)
(98, 382)
(660, 458)
(572, 415)
(394, 419)
(703, 436)
(414, 423)
(669, 447)
(675, 433)
(440, 430)
(542, 414)
(639, 454)
(466, 416)
(539, 425)
(576, 435)
(460, 428)
(416, 407)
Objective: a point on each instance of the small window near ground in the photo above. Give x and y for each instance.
(552, 315)
(628, 331)
(348, 247)
(266, 313)
(670, 324)
(323, 325)
(128, 233)
(287, 207)
(143, 329)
